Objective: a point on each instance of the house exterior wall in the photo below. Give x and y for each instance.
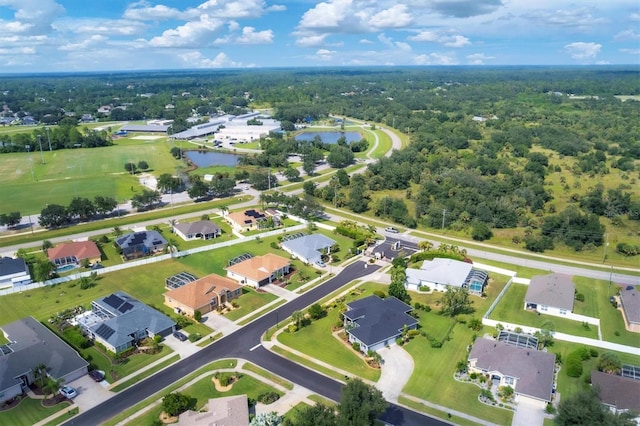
(70, 377)
(10, 392)
(19, 278)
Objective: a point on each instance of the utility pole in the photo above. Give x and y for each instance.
(41, 154)
(606, 244)
(444, 213)
(49, 139)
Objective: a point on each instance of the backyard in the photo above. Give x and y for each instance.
(511, 309)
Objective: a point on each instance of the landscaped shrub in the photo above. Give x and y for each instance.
(274, 245)
(580, 297)
(573, 366)
(593, 352)
(473, 376)
(183, 322)
(381, 294)
(356, 346)
(268, 397)
(194, 337)
(424, 288)
(74, 336)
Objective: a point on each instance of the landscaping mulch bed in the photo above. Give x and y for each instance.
(13, 402)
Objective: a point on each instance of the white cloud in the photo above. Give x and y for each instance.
(465, 8)
(397, 16)
(196, 59)
(144, 12)
(31, 17)
(448, 40)
(365, 41)
(277, 8)
(84, 43)
(435, 59)
(326, 14)
(479, 58)
(192, 34)
(314, 40)
(627, 35)
(634, 52)
(578, 18)
(583, 51)
(394, 44)
(250, 36)
(234, 9)
(325, 55)
(119, 27)
(17, 51)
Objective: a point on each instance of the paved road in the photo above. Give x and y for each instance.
(239, 345)
(411, 244)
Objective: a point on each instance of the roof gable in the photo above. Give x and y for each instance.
(617, 391)
(200, 292)
(555, 290)
(378, 319)
(259, 267)
(79, 249)
(309, 246)
(199, 227)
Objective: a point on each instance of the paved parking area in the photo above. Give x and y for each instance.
(219, 323)
(396, 369)
(90, 393)
(528, 414)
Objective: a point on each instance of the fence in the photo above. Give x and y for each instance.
(144, 261)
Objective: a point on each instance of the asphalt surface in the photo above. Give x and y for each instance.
(410, 245)
(239, 345)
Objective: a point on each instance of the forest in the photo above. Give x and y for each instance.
(540, 156)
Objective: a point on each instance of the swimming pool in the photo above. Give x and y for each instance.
(66, 268)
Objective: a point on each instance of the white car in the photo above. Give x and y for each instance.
(68, 392)
(391, 230)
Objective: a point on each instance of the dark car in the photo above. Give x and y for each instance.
(180, 336)
(96, 375)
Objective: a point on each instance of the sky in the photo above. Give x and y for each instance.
(112, 35)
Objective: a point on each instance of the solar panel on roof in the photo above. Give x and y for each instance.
(105, 331)
(124, 308)
(113, 301)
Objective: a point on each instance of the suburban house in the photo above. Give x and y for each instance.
(205, 295)
(259, 270)
(74, 253)
(247, 220)
(31, 344)
(225, 411)
(13, 272)
(374, 323)
(118, 321)
(200, 230)
(528, 371)
(550, 294)
(140, 244)
(619, 393)
(630, 307)
(440, 273)
(308, 248)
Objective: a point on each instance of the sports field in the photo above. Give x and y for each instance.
(28, 185)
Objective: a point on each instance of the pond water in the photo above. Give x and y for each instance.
(329, 137)
(209, 158)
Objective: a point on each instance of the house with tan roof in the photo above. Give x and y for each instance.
(205, 295)
(225, 411)
(246, 220)
(259, 270)
(74, 253)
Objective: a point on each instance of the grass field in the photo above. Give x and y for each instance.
(511, 309)
(28, 412)
(204, 389)
(85, 172)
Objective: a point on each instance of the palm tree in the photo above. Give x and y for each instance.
(117, 231)
(40, 372)
(425, 245)
(224, 210)
(52, 386)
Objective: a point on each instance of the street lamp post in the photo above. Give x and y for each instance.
(49, 139)
(41, 154)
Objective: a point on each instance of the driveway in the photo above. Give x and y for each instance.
(219, 323)
(528, 414)
(280, 292)
(90, 393)
(397, 367)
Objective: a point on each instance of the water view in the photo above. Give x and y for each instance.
(329, 137)
(209, 158)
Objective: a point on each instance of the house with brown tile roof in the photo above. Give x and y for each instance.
(205, 295)
(246, 220)
(259, 270)
(74, 253)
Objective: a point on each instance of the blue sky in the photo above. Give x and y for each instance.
(101, 35)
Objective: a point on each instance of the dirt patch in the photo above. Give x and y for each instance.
(167, 419)
(55, 400)
(221, 388)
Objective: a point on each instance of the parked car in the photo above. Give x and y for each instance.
(68, 392)
(180, 336)
(391, 230)
(96, 375)
(321, 264)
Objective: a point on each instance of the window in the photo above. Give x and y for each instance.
(510, 381)
(563, 312)
(544, 308)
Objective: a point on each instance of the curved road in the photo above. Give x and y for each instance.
(239, 345)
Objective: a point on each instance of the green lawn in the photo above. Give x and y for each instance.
(84, 172)
(316, 341)
(113, 371)
(146, 373)
(511, 309)
(204, 389)
(250, 301)
(267, 375)
(28, 412)
(432, 377)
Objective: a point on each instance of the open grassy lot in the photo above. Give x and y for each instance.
(597, 294)
(204, 389)
(116, 371)
(85, 172)
(29, 412)
(511, 309)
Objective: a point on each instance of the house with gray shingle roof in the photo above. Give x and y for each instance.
(551, 294)
(374, 323)
(630, 306)
(118, 321)
(619, 393)
(200, 230)
(140, 244)
(31, 344)
(309, 248)
(528, 371)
